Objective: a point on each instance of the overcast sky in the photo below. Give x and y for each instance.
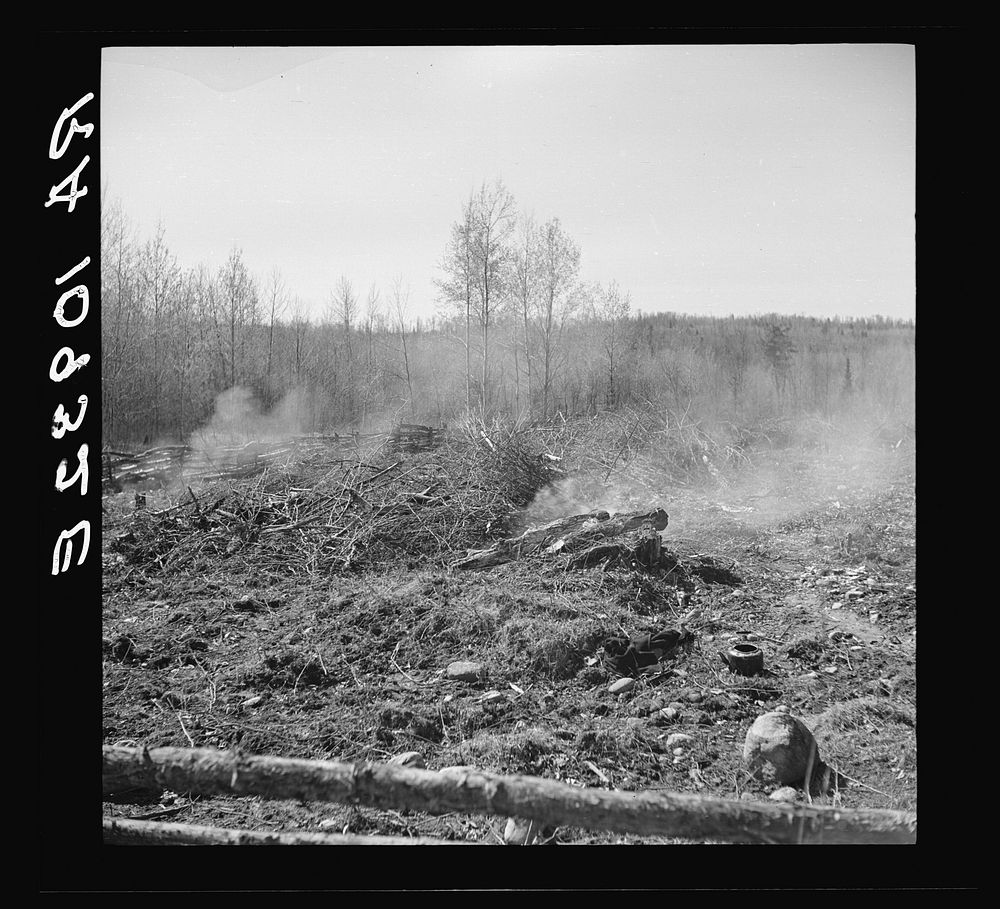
(704, 179)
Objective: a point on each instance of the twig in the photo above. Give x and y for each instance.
(620, 450)
(392, 660)
(859, 783)
(299, 676)
(184, 729)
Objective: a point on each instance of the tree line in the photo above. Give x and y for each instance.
(517, 331)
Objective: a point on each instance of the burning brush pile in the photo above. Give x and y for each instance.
(327, 513)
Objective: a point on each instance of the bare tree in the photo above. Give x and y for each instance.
(120, 320)
(614, 310)
(373, 311)
(158, 279)
(344, 304)
(235, 313)
(457, 286)
(493, 220)
(558, 297)
(525, 279)
(735, 353)
(400, 303)
(276, 301)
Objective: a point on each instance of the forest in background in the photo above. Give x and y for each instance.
(516, 335)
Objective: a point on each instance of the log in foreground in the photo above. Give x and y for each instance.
(127, 832)
(652, 813)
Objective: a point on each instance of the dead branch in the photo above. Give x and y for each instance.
(123, 832)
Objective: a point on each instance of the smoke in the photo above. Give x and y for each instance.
(239, 419)
(774, 483)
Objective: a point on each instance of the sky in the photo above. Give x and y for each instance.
(704, 179)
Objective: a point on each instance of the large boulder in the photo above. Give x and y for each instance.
(779, 748)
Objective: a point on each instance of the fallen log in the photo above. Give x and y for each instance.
(127, 832)
(571, 534)
(652, 813)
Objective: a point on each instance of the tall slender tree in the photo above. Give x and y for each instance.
(558, 298)
(493, 219)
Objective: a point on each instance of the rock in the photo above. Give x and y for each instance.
(692, 696)
(666, 715)
(491, 697)
(409, 759)
(678, 738)
(778, 748)
(519, 832)
(634, 722)
(621, 686)
(464, 671)
(675, 705)
(784, 794)
(253, 702)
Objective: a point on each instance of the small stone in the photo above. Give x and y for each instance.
(784, 794)
(692, 696)
(409, 759)
(678, 751)
(253, 702)
(491, 697)
(676, 705)
(634, 722)
(668, 714)
(678, 738)
(519, 832)
(621, 686)
(329, 822)
(464, 671)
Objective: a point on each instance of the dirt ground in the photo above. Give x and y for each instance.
(808, 552)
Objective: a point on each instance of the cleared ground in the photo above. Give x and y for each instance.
(219, 632)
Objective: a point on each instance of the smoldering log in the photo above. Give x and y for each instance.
(572, 534)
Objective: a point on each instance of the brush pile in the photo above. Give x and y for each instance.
(231, 459)
(328, 513)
